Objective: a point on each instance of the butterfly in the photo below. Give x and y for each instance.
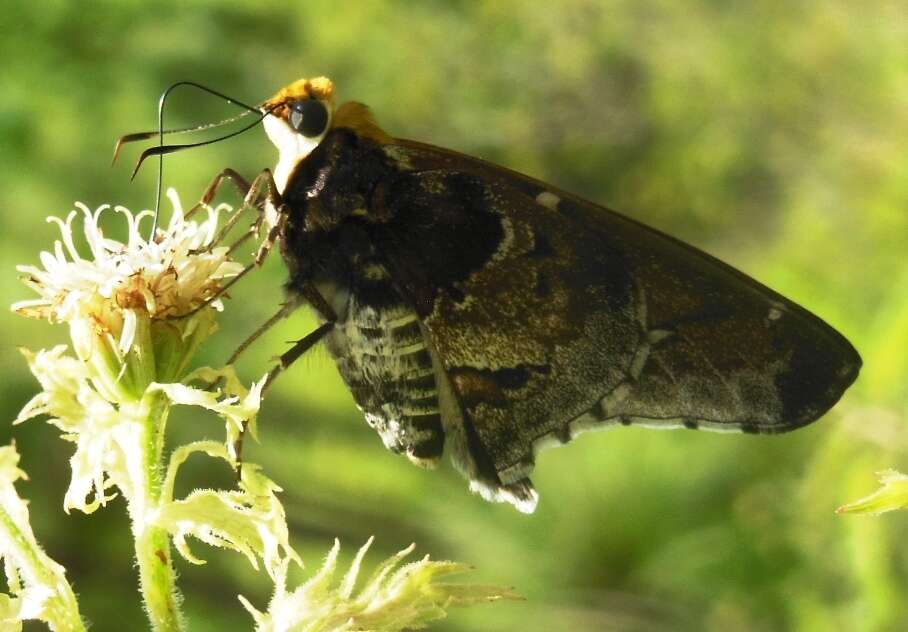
(477, 311)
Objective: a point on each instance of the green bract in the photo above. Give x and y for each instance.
(892, 495)
(394, 598)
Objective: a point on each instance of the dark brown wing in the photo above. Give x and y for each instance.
(550, 314)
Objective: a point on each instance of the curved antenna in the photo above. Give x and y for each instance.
(125, 139)
(162, 149)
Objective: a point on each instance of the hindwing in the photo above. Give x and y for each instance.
(546, 315)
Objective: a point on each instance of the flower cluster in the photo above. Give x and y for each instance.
(135, 308)
(137, 311)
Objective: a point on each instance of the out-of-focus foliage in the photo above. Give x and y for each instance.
(772, 134)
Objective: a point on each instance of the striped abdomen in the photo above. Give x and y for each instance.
(382, 356)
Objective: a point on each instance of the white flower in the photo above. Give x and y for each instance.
(131, 306)
(86, 419)
(235, 404)
(170, 275)
(131, 354)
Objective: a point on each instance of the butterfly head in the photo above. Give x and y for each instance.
(299, 116)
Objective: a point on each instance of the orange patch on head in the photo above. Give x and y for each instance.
(320, 88)
(353, 115)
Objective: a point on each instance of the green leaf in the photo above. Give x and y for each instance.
(891, 496)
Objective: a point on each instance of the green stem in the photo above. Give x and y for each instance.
(157, 579)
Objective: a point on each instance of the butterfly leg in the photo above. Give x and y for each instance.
(287, 358)
(299, 347)
(310, 295)
(242, 186)
(261, 194)
(292, 354)
(227, 175)
(286, 309)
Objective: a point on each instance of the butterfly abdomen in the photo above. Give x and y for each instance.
(381, 354)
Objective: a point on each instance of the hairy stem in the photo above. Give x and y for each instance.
(157, 579)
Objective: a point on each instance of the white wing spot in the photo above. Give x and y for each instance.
(774, 313)
(548, 200)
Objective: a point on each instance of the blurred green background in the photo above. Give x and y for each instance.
(772, 134)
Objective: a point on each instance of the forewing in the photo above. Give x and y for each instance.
(550, 315)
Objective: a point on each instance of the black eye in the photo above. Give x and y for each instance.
(309, 117)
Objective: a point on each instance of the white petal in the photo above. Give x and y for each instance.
(128, 335)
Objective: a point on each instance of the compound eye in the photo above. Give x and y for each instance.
(309, 117)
